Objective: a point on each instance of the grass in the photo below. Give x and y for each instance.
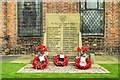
(9, 71)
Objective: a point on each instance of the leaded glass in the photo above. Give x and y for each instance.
(29, 19)
(92, 17)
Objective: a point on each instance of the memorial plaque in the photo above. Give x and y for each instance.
(62, 33)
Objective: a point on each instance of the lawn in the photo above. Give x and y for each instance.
(9, 71)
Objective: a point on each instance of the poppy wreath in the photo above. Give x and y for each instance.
(57, 63)
(36, 65)
(83, 51)
(87, 66)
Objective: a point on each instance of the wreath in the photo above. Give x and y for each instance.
(36, 64)
(87, 66)
(63, 63)
(83, 59)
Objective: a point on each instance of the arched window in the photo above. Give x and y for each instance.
(29, 19)
(92, 17)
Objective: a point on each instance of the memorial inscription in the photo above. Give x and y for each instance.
(62, 33)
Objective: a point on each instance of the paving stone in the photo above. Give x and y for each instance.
(65, 69)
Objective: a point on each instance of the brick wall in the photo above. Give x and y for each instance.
(107, 44)
(112, 26)
(2, 26)
(11, 23)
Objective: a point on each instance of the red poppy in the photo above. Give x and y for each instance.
(85, 49)
(78, 49)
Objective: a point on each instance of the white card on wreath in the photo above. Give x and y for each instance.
(82, 59)
(61, 56)
(41, 58)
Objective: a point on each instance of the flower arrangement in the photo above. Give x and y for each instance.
(36, 64)
(83, 62)
(87, 66)
(57, 63)
(41, 58)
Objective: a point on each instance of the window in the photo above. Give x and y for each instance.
(29, 19)
(92, 17)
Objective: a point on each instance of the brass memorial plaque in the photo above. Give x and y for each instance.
(62, 33)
